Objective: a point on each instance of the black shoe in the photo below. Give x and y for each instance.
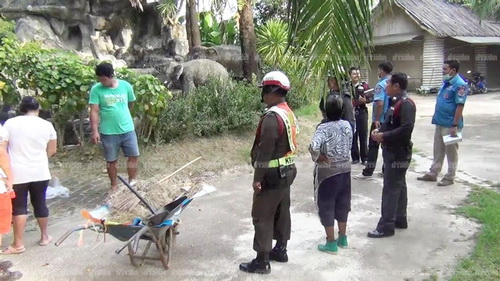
(401, 224)
(256, 266)
(354, 162)
(363, 163)
(376, 234)
(278, 254)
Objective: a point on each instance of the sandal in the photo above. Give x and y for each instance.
(11, 250)
(46, 242)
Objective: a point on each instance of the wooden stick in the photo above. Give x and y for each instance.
(178, 170)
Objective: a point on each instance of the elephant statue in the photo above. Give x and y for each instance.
(189, 75)
(227, 55)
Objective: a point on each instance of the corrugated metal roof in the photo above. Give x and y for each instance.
(443, 19)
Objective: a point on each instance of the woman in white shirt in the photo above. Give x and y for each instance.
(30, 141)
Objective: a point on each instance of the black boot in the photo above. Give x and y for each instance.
(259, 265)
(278, 253)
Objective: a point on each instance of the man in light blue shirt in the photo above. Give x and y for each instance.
(448, 120)
(380, 106)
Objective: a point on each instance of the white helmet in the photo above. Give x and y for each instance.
(276, 78)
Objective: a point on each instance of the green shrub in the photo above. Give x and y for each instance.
(211, 110)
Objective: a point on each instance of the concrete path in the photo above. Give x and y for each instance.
(216, 231)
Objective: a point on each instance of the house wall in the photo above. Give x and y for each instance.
(405, 57)
(493, 66)
(465, 53)
(461, 51)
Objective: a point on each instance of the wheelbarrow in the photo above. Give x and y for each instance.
(159, 229)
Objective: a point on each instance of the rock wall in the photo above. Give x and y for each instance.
(106, 29)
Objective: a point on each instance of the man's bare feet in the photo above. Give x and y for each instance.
(112, 191)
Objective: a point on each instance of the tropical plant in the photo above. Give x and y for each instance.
(168, 10)
(61, 82)
(485, 9)
(217, 33)
(151, 99)
(334, 34)
(272, 41)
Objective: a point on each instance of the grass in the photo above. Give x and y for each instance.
(308, 111)
(484, 262)
(218, 153)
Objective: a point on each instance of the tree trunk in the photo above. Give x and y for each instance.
(192, 27)
(248, 41)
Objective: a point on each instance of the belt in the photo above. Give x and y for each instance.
(275, 163)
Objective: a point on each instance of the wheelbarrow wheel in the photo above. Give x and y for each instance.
(167, 244)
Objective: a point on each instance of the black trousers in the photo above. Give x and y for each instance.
(358, 152)
(394, 192)
(371, 159)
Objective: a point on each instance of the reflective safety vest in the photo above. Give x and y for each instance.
(291, 127)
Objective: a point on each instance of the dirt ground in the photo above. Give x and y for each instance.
(216, 232)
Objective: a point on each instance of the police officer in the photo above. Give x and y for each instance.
(448, 120)
(273, 157)
(380, 107)
(395, 136)
(347, 108)
(359, 100)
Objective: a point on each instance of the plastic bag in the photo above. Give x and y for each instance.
(55, 189)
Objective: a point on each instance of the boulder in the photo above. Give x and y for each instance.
(178, 47)
(59, 27)
(34, 28)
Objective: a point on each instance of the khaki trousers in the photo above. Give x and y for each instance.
(440, 151)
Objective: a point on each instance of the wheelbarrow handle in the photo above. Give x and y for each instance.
(137, 194)
(69, 232)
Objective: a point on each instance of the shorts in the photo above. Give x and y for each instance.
(334, 199)
(37, 191)
(111, 145)
(5, 213)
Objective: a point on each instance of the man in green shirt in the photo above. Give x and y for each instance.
(111, 101)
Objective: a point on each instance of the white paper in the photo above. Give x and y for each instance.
(448, 139)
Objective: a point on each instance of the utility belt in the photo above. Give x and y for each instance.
(276, 163)
(398, 147)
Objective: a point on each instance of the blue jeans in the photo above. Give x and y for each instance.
(111, 145)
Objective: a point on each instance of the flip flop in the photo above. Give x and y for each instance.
(46, 242)
(11, 250)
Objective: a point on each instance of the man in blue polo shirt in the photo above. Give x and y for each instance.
(380, 106)
(448, 120)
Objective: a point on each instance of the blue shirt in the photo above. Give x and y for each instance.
(380, 95)
(452, 94)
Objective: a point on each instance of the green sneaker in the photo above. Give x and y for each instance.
(329, 247)
(342, 241)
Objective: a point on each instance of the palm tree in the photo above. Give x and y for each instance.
(335, 34)
(485, 9)
(192, 27)
(247, 39)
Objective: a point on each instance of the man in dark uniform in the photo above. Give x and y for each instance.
(357, 89)
(395, 137)
(273, 157)
(347, 108)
